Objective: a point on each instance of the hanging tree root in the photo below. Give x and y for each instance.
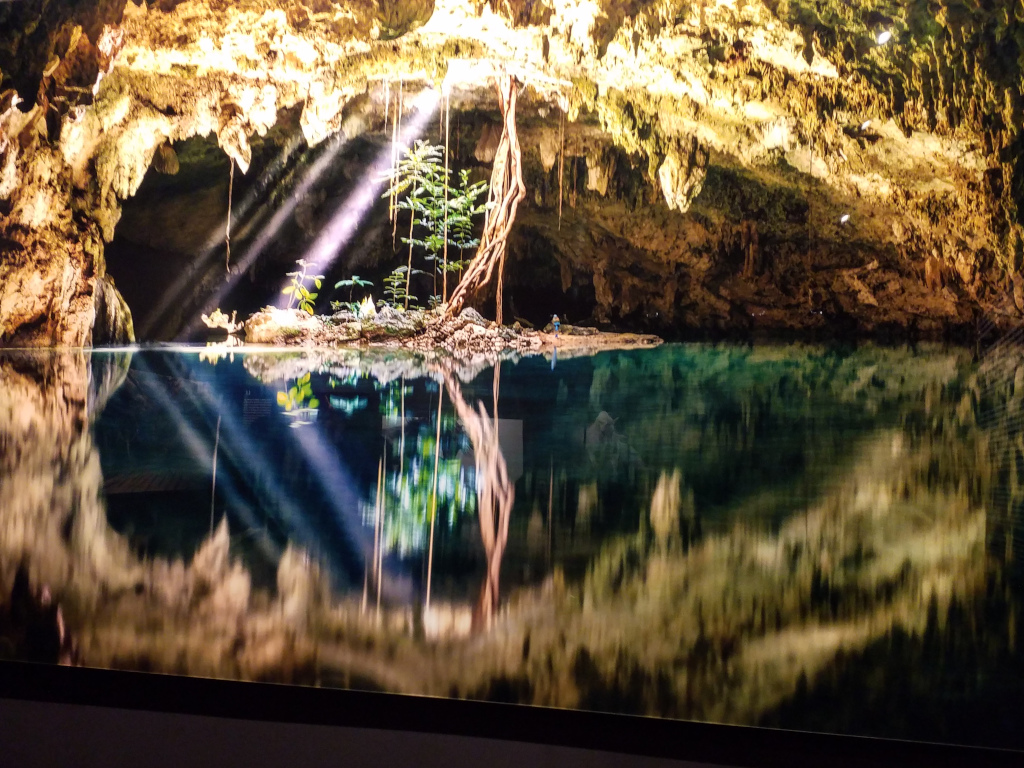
(507, 190)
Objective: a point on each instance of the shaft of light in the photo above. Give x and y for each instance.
(270, 229)
(345, 221)
(185, 283)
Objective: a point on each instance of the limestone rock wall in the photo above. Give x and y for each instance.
(867, 183)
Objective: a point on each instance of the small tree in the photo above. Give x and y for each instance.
(297, 290)
(421, 175)
(396, 287)
(462, 208)
(417, 175)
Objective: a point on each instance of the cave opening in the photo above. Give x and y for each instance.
(169, 256)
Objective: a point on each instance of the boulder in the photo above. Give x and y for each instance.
(281, 326)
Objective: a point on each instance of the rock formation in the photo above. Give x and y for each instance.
(874, 148)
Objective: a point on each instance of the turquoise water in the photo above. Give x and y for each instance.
(801, 536)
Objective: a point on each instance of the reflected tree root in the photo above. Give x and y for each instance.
(495, 493)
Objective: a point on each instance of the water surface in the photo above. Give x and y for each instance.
(799, 536)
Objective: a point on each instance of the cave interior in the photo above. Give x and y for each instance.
(693, 169)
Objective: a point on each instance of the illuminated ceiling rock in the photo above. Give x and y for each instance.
(398, 17)
(760, 86)
(682, 175)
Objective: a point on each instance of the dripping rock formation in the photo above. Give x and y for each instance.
(737, 165)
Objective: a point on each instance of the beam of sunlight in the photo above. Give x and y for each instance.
(244, 453)
(186, 281)
(198, 446)
(425, 105)
(329, 471)
(270, 229)
(346, 219)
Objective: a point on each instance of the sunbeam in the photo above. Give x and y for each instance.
(185, 282)
(346, 219)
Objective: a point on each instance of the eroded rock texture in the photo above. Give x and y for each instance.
(704, 155)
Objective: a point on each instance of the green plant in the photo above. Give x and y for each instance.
(409, 488)
(462, 208)
(436, 206)
(396, 287)
(296, 290)
(352, 283)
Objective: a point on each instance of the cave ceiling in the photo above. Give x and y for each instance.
(725, 164)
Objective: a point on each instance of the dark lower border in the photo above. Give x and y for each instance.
(259, 702)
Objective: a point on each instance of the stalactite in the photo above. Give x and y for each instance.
(376, 536)
(575, 174)
(213, 487)
(551, 501)
(412, 221)
(401, 445)
(433, 497)
(394, 162)
(387, 114)
(506, 192)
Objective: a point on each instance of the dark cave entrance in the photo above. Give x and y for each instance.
(536, 283)
(169, 257)
(171, 237)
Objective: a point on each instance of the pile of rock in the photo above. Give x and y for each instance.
(467, 335)
(470, 334)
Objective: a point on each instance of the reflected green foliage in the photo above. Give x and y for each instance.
(298, 401)
(409, 480)
(348, 405)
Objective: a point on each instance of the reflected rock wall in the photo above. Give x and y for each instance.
(729, 622)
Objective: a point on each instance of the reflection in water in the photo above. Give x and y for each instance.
(795, 536)
(495, 494)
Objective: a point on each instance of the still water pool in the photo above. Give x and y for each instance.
(798, 536)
